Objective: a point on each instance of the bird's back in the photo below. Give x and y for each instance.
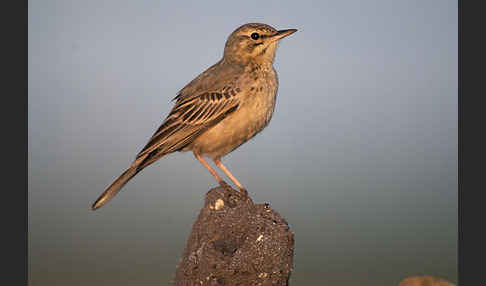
(213, 79)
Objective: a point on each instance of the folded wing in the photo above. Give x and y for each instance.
(186, 121)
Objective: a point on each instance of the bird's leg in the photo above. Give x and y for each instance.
(205, 164)
(228, 173)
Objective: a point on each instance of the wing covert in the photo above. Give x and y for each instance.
(188, 119)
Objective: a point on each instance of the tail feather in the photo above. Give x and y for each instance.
(115, 187)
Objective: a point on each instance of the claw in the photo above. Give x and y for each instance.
(244, 193)
(224, 184)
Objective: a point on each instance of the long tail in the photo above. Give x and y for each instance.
(115, 187)
(137, 166)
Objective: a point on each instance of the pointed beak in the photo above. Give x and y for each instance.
(282, 34)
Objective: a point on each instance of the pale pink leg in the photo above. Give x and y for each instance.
(228, 173)
(205, 164)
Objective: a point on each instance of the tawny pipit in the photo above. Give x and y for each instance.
(219, 110)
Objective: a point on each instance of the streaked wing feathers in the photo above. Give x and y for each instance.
(188, 119)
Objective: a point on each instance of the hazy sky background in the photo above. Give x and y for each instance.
(360, 156)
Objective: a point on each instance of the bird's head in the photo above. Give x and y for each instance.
(254, 42)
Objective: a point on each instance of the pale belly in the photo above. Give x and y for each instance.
(240, 126)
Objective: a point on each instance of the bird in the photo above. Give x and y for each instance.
(219, 110)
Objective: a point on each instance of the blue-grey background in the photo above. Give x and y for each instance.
(360, 156)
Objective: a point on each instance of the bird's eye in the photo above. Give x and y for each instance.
(255, 36)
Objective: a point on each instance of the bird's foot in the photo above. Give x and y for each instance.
(244, 193)
(224, 184)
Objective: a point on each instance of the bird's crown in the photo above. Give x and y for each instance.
(254, 42)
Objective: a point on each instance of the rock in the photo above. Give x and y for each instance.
(424, 281)
(236, 242)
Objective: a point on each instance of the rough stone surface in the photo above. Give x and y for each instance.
(236, 242)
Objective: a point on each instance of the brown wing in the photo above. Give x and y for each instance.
(187, 120)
